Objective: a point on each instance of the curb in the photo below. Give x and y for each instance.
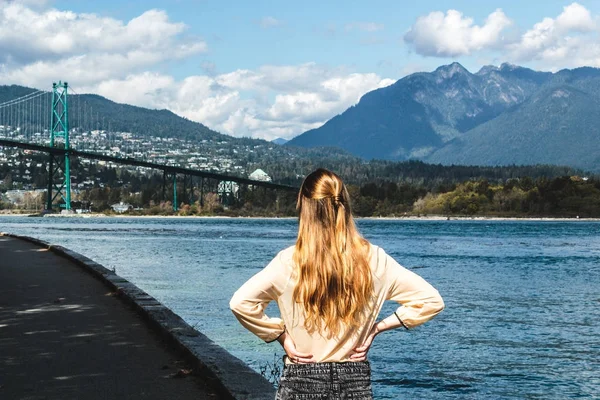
(229, 375)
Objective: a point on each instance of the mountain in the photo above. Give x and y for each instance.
(97, 112)
(421, 112)
(89, 112)
(285, 164)
(453, 116)
(557, 125)
(92, 112)
(279, 141)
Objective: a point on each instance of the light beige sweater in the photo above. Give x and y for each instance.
(419, 303)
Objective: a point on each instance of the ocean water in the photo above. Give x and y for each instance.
(522, 297)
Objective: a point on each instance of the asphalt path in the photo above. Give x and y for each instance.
(64, 335)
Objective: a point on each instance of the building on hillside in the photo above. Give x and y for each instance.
(260, 175)
(121, 207)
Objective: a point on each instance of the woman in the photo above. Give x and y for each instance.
(330, 288)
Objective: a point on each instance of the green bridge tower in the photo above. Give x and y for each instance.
(59, 172)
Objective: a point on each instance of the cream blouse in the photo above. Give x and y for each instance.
(419, 303)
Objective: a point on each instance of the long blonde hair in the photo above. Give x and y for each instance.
(334, 278)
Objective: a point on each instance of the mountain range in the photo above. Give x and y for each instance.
(498, 116)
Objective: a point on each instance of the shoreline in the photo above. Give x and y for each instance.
(404, 218)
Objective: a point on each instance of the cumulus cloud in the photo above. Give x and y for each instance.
(452, 34)
(270, 102)
(41, 45)
(575, 17)
(569, 40)
(120, 59)
(331, 97)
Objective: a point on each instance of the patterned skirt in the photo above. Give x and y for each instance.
(331, 381)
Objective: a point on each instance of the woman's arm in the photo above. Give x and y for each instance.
(419, 303)
(290, 349)
(391, 322)
(249, 301)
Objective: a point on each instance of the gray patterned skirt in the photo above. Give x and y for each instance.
(331, 381)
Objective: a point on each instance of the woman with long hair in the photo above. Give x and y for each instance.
(330, 288)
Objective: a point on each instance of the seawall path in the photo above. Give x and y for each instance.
(71, 329)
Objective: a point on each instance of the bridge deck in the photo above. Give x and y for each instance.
(138, 163)
(63, 336)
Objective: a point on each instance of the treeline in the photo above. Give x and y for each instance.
(567, 196)
(378, 188)
(249, 202)
(413, 172)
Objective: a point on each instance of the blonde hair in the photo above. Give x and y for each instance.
(334, 277)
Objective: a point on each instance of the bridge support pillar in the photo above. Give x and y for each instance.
(59, 129)
(185, 193)
(164, 185)
(50, 182)
(175, 207)
(202, 192)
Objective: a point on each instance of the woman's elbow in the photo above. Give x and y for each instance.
(235, 304)
(438, 304)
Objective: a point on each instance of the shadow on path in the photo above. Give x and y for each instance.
(64, 335)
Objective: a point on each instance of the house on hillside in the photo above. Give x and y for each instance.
(260, 175)
(121, 207)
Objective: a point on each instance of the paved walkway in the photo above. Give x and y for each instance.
(63, 335)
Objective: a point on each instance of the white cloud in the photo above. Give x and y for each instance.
(271, 102)
(313, 96)
(575, 17)
(45, 44)
(569, 40)
(452, 34)
(334, 96)
(143, 89)
(121, 59)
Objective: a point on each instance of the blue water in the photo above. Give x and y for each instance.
(522, 298)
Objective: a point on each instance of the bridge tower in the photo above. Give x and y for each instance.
(59, 171)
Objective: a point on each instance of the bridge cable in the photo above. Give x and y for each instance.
(22, 98)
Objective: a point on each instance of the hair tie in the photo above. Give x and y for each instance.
(337, 199)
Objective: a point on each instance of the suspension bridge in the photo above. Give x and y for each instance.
(42, 121)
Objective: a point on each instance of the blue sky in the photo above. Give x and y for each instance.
(275, 69)
(317, 31)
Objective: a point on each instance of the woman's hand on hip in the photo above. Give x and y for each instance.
(290, 349)
(360, 352)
